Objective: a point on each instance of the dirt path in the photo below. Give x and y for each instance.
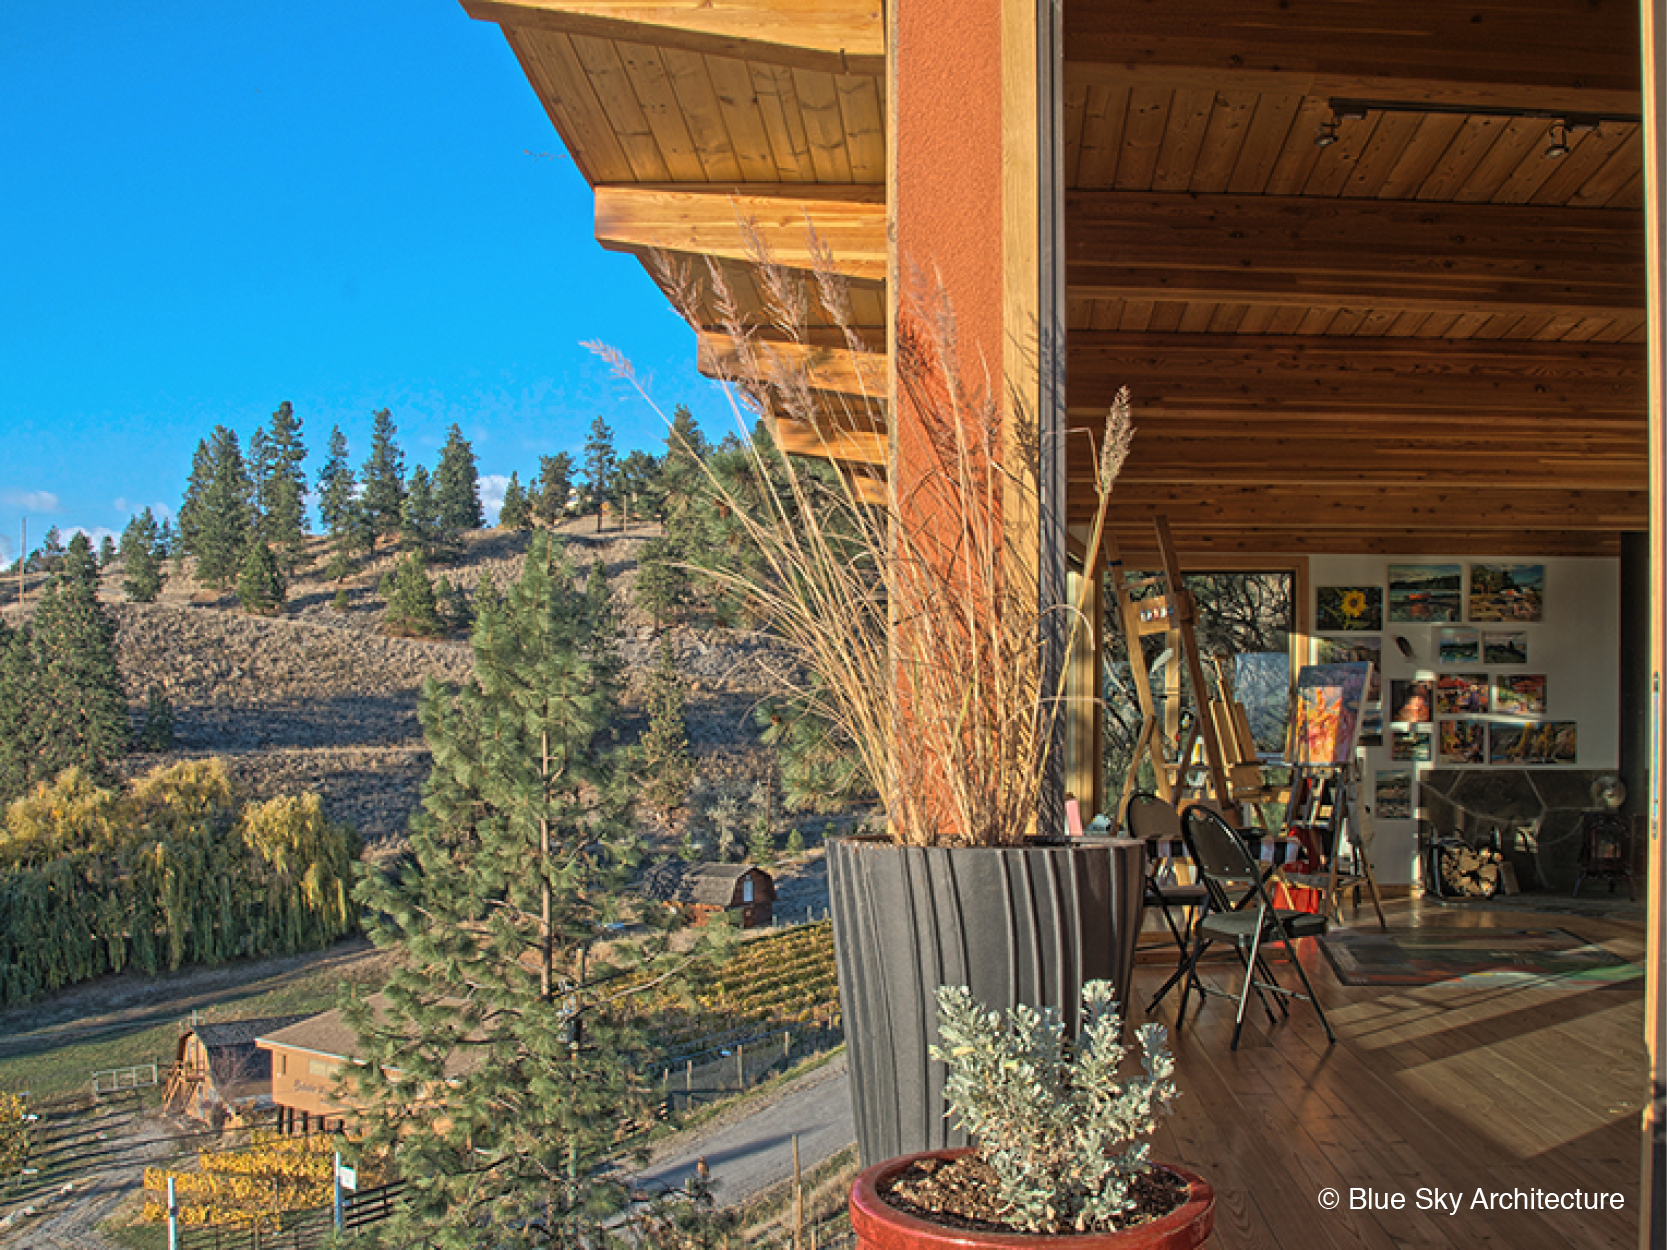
(68, 1216)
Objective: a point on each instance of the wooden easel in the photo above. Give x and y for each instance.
(1171, 613)
(1326, 801)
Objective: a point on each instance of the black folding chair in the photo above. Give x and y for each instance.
(1240, 910)
(1154, 821)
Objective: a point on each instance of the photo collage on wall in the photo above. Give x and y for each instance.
(1473, 700)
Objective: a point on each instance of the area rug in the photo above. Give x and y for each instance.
(1430, 956)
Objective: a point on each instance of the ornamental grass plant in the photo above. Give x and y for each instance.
(907, 608)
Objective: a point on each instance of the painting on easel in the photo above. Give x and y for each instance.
(1327, 713)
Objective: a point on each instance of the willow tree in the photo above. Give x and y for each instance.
(501, 1072)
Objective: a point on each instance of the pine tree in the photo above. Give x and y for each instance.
(599, 466)
(518, 862)
(335, 486)
(413, 611)
(420, 526)
(260, 583)
(106, 552)
(662, 584)
(280, 484)
(383, 477)
(632, 482)
(196, 490)
(680, 482)
(49, 556)
(141, 555)
(80, 564)
(555, 487)
(222, 516)
(666, 767)
(157, 734)
(516, 512)
(457, 485)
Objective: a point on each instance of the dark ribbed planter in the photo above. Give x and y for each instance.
(881, 1227)
(1014, 924)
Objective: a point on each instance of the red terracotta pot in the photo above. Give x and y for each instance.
(881, 1227)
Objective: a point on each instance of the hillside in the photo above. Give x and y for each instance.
(318, 699)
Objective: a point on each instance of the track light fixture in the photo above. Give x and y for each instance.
(1558, 144)
(1564, 126)
(1328, 132)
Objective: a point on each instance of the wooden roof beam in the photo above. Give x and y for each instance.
(833, 36)
(726, 222)
(825, 365)
(1381, 254)
(1576, 55)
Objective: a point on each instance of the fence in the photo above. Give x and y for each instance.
(112, 1080)
(737, 1063)
(301, 1230)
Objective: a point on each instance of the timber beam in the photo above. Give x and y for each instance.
(833, 36)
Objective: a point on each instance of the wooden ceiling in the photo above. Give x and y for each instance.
(1424, 338)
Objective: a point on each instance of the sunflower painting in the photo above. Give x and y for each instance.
(1346, 608)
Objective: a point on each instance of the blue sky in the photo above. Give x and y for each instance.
(210, 208)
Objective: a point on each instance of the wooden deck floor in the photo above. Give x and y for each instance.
(1458, 1087)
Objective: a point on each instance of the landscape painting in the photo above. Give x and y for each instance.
(1464, 741)
(1351, 651)
(1426, 594)
(1504, 646)
(1392, 794)
(1519, 694)
(1549, 742)
(1458, 694)
(1330, 699)
(1411, 745)
(1506, 592)
(1344, 608)
(1411, 701)
(1461, 646)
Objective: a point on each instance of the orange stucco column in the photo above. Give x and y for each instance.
(974, 211)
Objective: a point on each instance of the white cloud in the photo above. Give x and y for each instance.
(96, 535)
(492, 495)
(7, 556)
(30, 500)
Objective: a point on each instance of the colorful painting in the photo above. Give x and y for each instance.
(1352, 651)
(1426, 594)
(1392, 795)
(1519, 694)
(1415, 746)
(1504, 646)
(1506, 592)
(1349, 608)
(1329, 704)
(1549, 742)
(1461, 646)
(1464, 741)
(1371, 724)
(1458, 694)
(1411, 701)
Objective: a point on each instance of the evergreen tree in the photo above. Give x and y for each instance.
(662, 584)
(18, 694)
(680, 481)
(260, 583)
(49, 556)
(106, 552)
(666, 767)
(818, 771)
(413, 611)
(516, 512)
(599, 466)
(383, 477)
(518, 862)
(222, 516)
(196, 490)
(280, 484)
(157, 733)
(420, 526)
(167, 539)
(80, 564)
(457, 485)
(632, 482)
(555, 487)
(335, 487)
(141, 554)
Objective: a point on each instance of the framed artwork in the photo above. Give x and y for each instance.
(1371, 724)
(1506, 592)
(1329, 707)
(1464, 741)
(1459, 694)
(1461, 646)
(1426, 594)
(1548, 742)
(1519, 694)
(1415, 745)
(1504, 646)
(1392, 794)
(1411, 700)
(1344, 608)
(1353, 650)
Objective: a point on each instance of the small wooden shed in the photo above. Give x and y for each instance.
(219, 1071)
(744, 889)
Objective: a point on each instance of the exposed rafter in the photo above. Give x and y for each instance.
(824, 363)
(848, 221)
(835, 36)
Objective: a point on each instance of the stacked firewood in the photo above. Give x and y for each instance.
(1470, 871)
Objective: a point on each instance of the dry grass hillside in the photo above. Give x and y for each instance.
(319, 699)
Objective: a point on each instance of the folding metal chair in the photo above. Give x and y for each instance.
(1240, 910)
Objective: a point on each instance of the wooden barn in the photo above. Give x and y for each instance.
(220, 1072)
(744, 889)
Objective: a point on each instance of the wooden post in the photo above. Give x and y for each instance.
(798, 1198)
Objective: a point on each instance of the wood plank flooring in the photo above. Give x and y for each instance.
(1467, 1087)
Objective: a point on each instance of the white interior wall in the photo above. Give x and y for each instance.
(1575, 644)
